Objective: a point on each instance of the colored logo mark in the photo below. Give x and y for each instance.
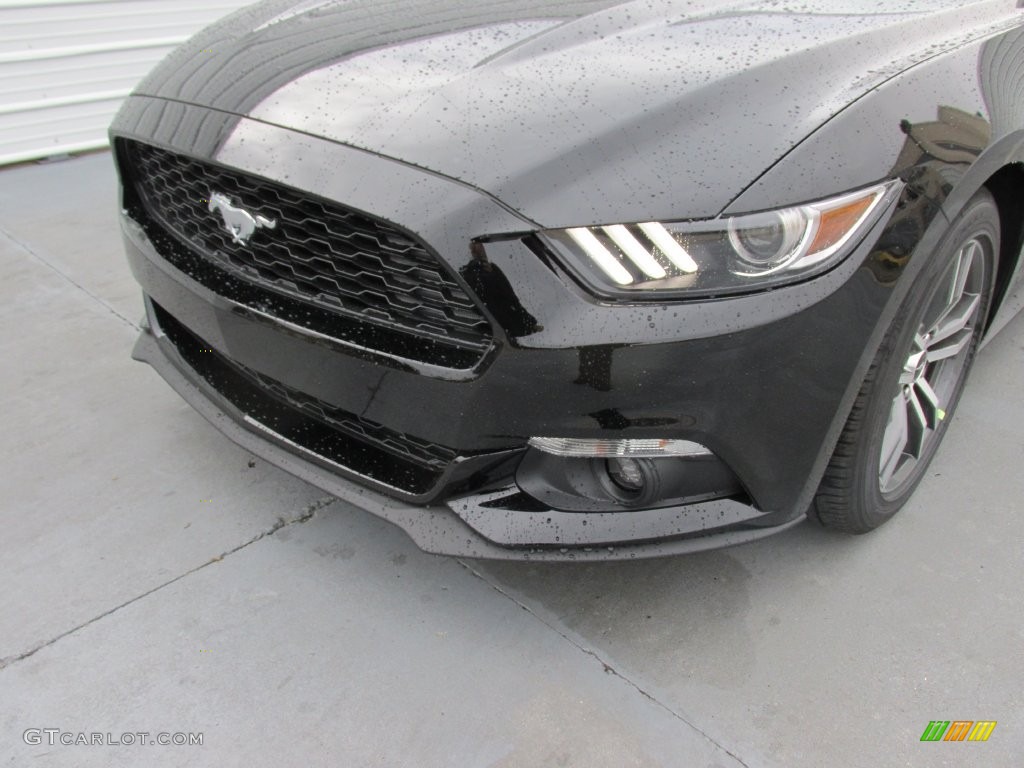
(958, 730)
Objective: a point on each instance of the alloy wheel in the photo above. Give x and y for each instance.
(934, 365)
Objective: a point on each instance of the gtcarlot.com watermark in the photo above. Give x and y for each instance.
(55, 736)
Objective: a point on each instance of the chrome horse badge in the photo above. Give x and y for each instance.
(238, 221)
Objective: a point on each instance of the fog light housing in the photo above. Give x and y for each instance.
(575, 475)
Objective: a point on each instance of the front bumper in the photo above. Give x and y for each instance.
(465, 527)
(764, 381)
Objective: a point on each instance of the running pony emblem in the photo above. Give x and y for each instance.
(237, 221)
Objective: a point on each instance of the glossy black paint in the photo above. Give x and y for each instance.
(472, 130)
(571, 113)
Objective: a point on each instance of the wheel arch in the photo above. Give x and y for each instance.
(1000, 170)
(1005, 186)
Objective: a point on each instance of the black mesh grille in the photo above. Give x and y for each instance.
(394, 459)
(341, 261)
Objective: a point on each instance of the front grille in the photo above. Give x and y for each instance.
(322, 266)
(395, 460)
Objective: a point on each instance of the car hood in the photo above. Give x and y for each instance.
(570, 113)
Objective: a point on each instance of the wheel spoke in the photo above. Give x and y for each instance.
(917, 423)
(929, 402)
(909, 373)
(964, 262)
(894, 441)
(950, 348)
(953, 311)
(950, 334)
(956, 318)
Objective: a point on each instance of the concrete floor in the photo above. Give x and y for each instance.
(157, 579)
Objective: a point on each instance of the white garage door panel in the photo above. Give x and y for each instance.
(56, 130)
(34, 81)
(60, 32)
(65, 65)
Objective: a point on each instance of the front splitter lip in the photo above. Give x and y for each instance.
(441, 530)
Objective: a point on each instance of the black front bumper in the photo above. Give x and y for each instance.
(764, 381)
(469, 526)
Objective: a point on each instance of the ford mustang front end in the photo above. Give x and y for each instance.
(568, 280)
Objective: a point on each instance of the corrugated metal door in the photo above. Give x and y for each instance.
(65, 65)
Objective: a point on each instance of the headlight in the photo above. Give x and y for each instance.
(722, 256)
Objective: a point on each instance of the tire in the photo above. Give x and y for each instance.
(910, 392)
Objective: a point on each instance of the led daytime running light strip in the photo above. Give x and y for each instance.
(634, 251)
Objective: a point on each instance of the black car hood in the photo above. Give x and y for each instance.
(569, 112)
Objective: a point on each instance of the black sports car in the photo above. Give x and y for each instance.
(582, 279)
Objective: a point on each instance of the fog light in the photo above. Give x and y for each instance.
(626, 474)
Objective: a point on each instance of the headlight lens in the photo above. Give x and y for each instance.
(725, 255)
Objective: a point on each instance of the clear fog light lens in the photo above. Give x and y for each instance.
(626, 474)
